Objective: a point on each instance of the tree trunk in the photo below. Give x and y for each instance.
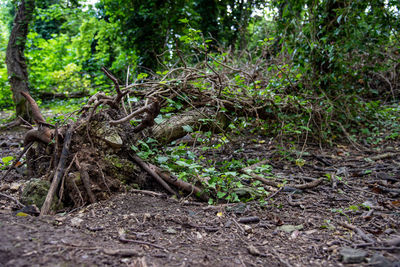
(15, 60)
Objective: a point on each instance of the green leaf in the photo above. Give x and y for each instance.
(187, 128)
(221, 194)
(185, 20)
(162, 159)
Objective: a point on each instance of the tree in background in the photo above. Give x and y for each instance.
(152, 27)
(15, 59)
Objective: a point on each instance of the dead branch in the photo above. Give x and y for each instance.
(13, 199)
(145, 167)
(130, 116)
(36, 115)
(86, 182)
(112, 78)
(185, 186)
(261, 179)
(307, 185)
(147, 192)
(59, 172)
(43, 134)
(152, 111)
(26, 148)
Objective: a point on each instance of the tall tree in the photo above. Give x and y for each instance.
(15, 59)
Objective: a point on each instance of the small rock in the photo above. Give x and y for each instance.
(4, 187)
(15, 186)
(389, 231)
(76, 222)
(247, 228)
(290, 228)
(393, 242)
(239, 208)
(350, 255)
(171, 231)
(253, 250)
(198, 235)
(379, 260)
(114, 140)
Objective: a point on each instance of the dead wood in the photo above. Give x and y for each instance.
(261, 179)
(43, 134)
(26, 148)
(145, 167)
(20, 205)
(86, 182)
(185, 186)
(308, 185)
(51, 95)
(59, 172)
(17, 122)
(36, 115)
(151, 110)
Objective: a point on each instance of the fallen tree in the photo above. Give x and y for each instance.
(89, 159)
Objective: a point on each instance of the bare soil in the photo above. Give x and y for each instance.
(357, 206)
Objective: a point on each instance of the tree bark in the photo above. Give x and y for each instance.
(15, 60)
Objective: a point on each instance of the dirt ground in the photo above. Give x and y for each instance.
(356, 206)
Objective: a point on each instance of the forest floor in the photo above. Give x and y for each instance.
(357, 206)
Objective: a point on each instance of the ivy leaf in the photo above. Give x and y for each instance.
(187, 128)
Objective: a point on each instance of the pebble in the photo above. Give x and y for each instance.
(350, 255)
(378, 260)
(76, 222)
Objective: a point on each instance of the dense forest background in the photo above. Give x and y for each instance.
(310, 68)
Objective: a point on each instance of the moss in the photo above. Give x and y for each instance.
(120, 168)
(35, 192)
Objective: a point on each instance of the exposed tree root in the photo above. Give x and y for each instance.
(59, 172)
(92, 158)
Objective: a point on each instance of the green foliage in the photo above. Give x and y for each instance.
(5, 18)
(221, 179)
(5, 162)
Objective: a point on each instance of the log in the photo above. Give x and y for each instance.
(172, 128)
(50, 95)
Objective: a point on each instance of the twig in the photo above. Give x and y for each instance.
(275, 193)
(360, 232)
(112, 78)
(126, 240)
(147, 192)
(130, 116)
(353, 143)
(13, 199)
(59, 172)
(261, 179)
(26, 148)
(308, 185)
